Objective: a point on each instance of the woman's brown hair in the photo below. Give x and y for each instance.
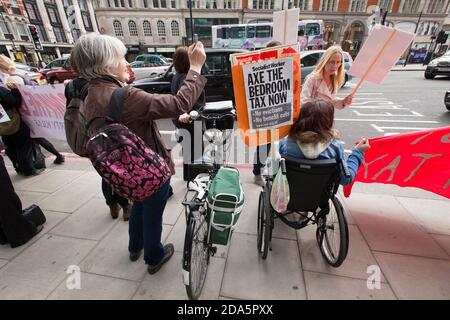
(181, 60)
(315, 123)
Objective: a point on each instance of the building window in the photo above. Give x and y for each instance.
(410, 6)
(145, 3)
(147, 28)
(258, 4)
(163, 3)
(76, 34)
(161, 28)
(132, 29)
(174, 4)
(385, 4)
(87, 21)
(118, 31)
(122, 3)
(130, 3)
(52, 15)
(175, 28)
(155, 4)
(59, 34)
(301, 4)
(358, 6)
(83, 5)
(436, 6)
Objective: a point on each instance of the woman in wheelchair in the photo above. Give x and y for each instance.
(313, 137)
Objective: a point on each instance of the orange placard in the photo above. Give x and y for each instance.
(260, 137)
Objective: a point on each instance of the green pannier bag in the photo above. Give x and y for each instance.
(225, 201)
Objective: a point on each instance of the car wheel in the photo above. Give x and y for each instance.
(448, 107)
(54, 81)
(429, 75)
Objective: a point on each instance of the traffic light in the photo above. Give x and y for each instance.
(35, 37)
(441, 37)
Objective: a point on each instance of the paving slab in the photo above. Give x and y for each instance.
(28, 197)
(111, 256)
(433, 215)
(53, 218)
(413, 277)
(41, 268)
(96, 287)
(72, 196)
(388, 227)
(359, 256)
(21, 182)
(91, 221)
(248, 276)
(320, 286)
(3, 262)
(443, 241)
(167, 283)
(52, 181)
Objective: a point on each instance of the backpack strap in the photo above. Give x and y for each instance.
(115, 106)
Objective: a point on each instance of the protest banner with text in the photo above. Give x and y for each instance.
(43, 109)
(415, 159)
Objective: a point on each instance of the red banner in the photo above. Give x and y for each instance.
(416, 159)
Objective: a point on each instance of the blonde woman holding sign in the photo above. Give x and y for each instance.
(326, 79)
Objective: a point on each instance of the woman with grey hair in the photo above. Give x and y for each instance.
(100, 59)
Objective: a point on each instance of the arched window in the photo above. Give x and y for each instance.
(147, 28)
(161, 28)
(358, 6)
(132, 29)
(118, 31)
(175, 28)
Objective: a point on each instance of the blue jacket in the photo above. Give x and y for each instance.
(289, 147)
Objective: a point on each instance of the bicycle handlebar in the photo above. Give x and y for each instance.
(194, 115)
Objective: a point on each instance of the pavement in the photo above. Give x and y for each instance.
(409, 67)
(399, 248)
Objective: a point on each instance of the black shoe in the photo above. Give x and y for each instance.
(168, 252)
(18, 244)
(135, 255)
(170, 192)
(59, 159)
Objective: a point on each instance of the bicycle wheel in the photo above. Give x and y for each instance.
(261, 219)
(332, 234)
(195, 255)
(266, 224)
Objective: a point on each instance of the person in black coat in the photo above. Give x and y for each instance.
(15, 229)
(181, 65)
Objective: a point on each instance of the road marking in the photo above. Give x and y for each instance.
(166, 132)
(380, 129)
(392, 107)
(387, 120)
(388, 114)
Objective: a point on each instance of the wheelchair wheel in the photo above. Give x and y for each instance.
(195, 255)
(263, 231)
(332, 234)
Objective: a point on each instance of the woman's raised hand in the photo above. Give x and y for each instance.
(197, 56)
(348, 100)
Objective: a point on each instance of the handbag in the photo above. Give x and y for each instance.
(12, 126)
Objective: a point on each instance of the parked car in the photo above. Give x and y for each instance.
(30, 72)
(62, 73)
(447, 99)
(438, 66)
(309, 59)
(153, 60)
(55, 64)
(66, 72)
(143, 70)
(217, 69)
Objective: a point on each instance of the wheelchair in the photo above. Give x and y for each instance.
(312, 186)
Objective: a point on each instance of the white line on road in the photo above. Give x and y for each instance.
(386, 120)
(393, 107)
(166, 132)
(380, 129)
(388, 114)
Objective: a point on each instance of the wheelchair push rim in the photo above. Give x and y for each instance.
(332, 234)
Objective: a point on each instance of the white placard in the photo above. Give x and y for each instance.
(269, 92)
(285, 26)
(380, 52)
(43, 109)
(3, 115)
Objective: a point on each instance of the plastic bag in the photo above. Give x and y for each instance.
(279, 196)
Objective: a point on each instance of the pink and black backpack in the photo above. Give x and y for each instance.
(122, 159)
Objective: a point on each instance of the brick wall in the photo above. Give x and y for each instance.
(344, 5)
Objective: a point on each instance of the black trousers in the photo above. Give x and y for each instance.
(19, 148)
(14, 228)
(111, 197)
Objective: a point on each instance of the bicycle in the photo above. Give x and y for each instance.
(197, 247)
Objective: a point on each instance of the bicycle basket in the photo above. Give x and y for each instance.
(225, 201)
